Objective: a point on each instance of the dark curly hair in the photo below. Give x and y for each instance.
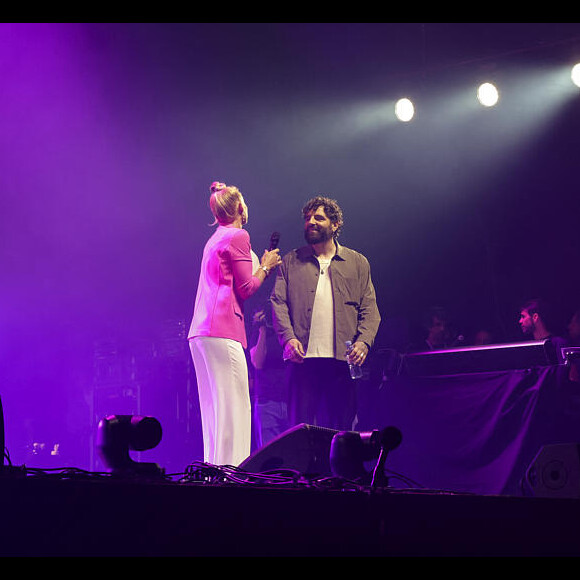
(331, 209)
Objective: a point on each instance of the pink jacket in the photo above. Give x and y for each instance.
(225, 281)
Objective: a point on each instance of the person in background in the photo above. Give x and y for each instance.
(437, 329)
(483, 337)
(574, 340)
(270, 386)
(217, 334)
(574, 329)
(537, 322)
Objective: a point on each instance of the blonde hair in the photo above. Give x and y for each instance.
(224, 202)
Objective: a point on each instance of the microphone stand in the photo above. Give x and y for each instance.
(389, 439)
(379, 478)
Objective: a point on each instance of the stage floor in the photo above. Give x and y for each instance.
(48, 515)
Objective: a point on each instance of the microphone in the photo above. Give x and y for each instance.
(274, 240)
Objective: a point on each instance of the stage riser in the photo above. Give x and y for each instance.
(71, 518)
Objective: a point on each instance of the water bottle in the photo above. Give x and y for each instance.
(355, 370)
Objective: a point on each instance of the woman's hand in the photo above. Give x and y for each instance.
(271, 259)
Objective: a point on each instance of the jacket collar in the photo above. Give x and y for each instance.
(307, 253)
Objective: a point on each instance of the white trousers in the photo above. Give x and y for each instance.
(224, 397)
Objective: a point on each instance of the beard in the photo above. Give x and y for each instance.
(317, 235)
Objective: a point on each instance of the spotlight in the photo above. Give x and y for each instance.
(349, 451)
(487, 94)
(575, 74)
(404, 110)
(119, 433)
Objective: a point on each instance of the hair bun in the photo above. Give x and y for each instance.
(216, 186)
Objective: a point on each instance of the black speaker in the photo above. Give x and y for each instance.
(555, 471)
(303, 448)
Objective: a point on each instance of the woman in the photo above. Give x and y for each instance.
(217, 335)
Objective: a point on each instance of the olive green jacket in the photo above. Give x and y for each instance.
(356, 315)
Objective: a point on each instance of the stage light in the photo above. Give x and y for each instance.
(487, 94)
(575, 74)
(350, 450)
(404, 110)
(117, 434)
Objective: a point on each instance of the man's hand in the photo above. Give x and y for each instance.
(294, 351)
(357, 353)
(259, 318)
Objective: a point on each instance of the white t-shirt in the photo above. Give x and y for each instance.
(255, 261)
(321, 339)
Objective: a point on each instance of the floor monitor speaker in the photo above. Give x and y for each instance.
(555, 471)
(303, 448)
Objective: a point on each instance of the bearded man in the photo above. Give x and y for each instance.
(323, 297)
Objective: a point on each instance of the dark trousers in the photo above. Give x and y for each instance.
(321, 393)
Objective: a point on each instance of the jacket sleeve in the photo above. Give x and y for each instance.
(245, 284)
(281, 319)
(369, 317)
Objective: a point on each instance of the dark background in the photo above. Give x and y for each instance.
(112, 133)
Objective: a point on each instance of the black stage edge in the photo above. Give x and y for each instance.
(51, 517)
